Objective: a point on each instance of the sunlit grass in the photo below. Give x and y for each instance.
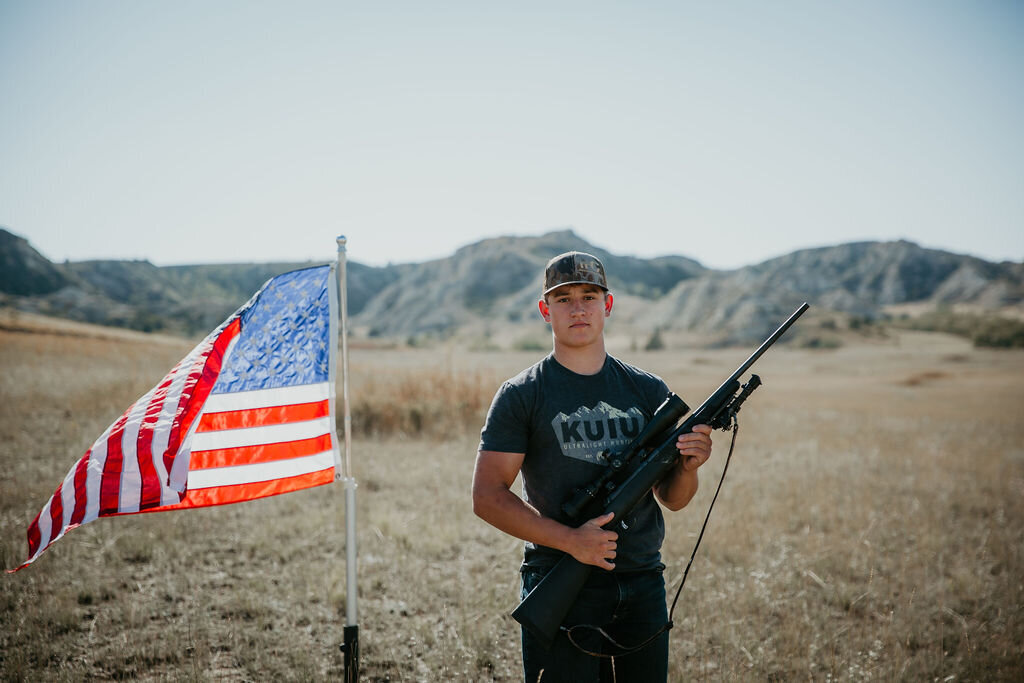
(871, 527)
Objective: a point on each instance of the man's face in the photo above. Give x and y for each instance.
(576, 313)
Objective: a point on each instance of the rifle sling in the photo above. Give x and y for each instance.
(668, 625)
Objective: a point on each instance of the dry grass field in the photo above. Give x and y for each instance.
(871, 526)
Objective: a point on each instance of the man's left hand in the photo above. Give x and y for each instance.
(695, 447)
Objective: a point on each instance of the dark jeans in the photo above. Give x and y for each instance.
(629, 606)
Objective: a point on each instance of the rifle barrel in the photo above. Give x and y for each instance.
(771, 340)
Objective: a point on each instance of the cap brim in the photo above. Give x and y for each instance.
(573, 282)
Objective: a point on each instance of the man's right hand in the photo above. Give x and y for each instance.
(590, 544)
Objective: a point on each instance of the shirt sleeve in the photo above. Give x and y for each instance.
(506, 429)
(660, 393)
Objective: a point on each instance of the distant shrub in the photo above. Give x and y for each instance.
(483, 344)
(820, 342)
(1000, 333)
(655, 342)
(529, 344)
(146, 321)
(991, 331)
(859, 321)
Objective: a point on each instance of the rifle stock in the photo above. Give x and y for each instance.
(544, 609)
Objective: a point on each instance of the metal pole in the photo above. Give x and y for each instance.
(350, 645)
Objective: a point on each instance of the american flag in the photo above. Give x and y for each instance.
(248, 413)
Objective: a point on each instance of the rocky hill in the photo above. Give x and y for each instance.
(24, 271)
(494, 284)
(863, 279)
(488, 290)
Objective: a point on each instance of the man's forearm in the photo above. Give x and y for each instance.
(589, 543)
(506, 511)
(678, 487)
(677, 490)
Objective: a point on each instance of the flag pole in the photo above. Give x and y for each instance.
(350, 646)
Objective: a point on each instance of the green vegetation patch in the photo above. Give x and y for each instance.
(984, 330)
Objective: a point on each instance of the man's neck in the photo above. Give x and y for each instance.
(586, 360)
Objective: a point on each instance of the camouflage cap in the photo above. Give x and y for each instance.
(574, 268)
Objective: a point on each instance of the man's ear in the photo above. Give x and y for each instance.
(545, 311)
(608, 299)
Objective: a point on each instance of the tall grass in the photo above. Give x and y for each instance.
(871, 527)
(433, 402)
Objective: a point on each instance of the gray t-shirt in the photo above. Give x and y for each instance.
(563, 422)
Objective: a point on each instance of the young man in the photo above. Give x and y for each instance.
(551, 423)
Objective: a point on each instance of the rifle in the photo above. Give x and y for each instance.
(623, 485)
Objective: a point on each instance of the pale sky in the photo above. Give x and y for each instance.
(729, 132)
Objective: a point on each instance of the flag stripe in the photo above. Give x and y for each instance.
(224, 495)
(56, 511)
(34, 536)
(93, 477)
(39, 531)
(130, 484)
(268, 398)
(248, 455)
(264, 471)
(110, 482)
(67, 495)
(81, 472)
(151, 491)
(236, 419)
(254, 436)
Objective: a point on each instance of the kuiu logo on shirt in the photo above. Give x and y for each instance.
(588, 432)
